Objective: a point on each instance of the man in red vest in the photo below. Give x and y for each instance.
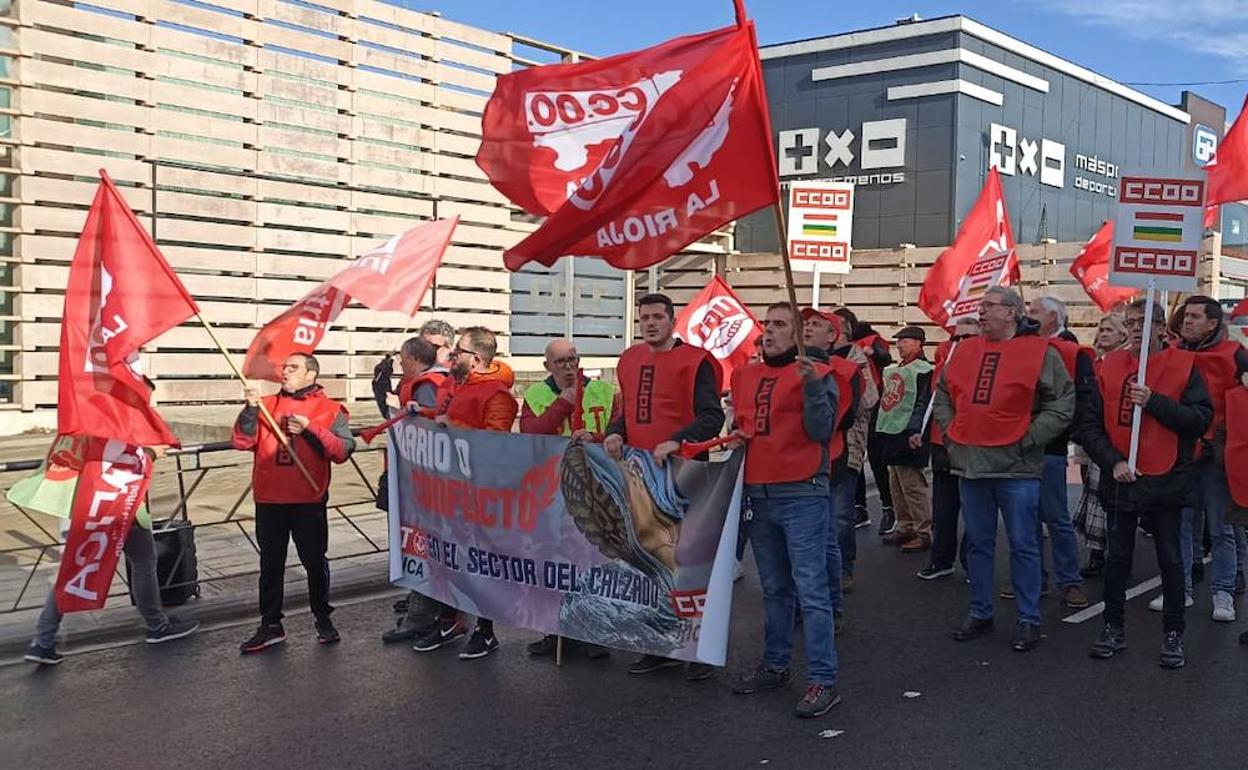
(999, 401)
(1176, 411)
(788, 407)
(287, 506)
(1050, 313)
(479, 398)
(876, 348)
(670, 393)
(1221, 363)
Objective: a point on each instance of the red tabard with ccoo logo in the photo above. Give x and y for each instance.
(769, 404)
(1217, 368)
(657, 391)
(1168, 373)
(992, 386)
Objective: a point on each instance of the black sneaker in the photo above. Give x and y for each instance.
(861, 517)
(762, 679)
(44, 656)
(1111, 641)
(400, 606)
(932, 572)
(696, 672)
(650, 663)
(543, 647)
(1172, 651)
(404, 631)
(265, 636)
(479, 645)
(888, 521)
(170, 630)
(818, 700)
(441, 635)
(973, 628)
(326, 633)
(1026, 636)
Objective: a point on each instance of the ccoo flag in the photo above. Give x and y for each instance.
(635, 156)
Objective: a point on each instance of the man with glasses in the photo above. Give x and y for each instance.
(999, 401)
(567, 403)
(481, 399)
(1175, 412)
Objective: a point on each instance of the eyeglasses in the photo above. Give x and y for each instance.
(986, 305)
(1138, 323)
(458, 351)
(566, 361)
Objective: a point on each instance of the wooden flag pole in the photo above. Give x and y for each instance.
(264, 410)
(788, 277)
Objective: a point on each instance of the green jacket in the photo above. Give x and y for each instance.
(1051, 414)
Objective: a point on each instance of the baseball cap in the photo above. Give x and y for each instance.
(832, 318)
(912, 333)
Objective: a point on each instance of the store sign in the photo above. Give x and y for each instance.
(1158, 230)
(879, 149)
(1204, 144)
(821, 221)
(1011, 155)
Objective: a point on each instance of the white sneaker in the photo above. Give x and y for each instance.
(1158, 603)
(1223, 607)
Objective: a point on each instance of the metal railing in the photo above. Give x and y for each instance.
(184, 470)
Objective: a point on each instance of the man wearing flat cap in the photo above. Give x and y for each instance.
(907, 386)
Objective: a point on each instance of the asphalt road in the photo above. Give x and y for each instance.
(197, 704)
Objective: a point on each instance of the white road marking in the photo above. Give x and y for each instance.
(1096, 609)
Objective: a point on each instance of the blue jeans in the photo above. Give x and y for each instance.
(1055, 512)
(789, 536)
(832, 552)
(843, 501)
(1018, 500)
(1215, 498)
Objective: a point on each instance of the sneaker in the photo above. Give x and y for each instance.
(817, 701)
(1223, 607)
(441, 635)
(326, 633)
(400, 606)
(888, 521)
(44, 656)
(1172, 651)
(170, 630)
(404, 632)
(1074, 598)
(479, 645)
(1026, 637)
(696, 672)
(847, 584)
(544, 647)
(762, 679)
(265, 637)
(649, 663)
(1111, 641)
(861, 517)
(932, 572)
(1159, 602)
(973, 628)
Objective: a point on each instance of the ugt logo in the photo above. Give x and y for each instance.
(986, 379)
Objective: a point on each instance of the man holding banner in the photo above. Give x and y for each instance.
(787, 406)
(1176, 411)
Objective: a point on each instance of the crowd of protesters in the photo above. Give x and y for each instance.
(985, 431)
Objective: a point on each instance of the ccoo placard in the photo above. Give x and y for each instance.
(821, 222)
(1158, 230)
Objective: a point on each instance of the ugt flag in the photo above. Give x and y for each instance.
(717, 321)
(121, 295)
(1091, 269)
(982, 256)
(635, 156)
(394, 276)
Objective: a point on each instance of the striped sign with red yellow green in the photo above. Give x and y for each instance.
(1158, 226)
(819, 224)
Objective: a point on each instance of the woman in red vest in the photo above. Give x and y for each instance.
(1176, 411)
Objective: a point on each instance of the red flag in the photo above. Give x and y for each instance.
(982, 256)
(111, 487)
(394, 276)
(717, 321)
(1228, 171)
(121, 294)
(635, 156)
(1091, 269)
(1240, 310)
(1210, 220)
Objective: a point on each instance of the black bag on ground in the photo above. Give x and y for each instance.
(176, 563)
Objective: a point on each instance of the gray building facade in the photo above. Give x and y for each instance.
(915, 114)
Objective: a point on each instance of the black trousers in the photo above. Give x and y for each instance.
(879, 469)
(946, 507)
(1120, 538)
(308, 525)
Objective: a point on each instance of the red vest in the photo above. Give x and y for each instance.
(1237, 445)
(867, 344)
(657, 391)
(769, 400)
(1217, 368)
(942, 355)
(1168, 373)
(1070, 353)
(409, 385)
(843, 372)
(275, 478)
(464, 403)
(992, 386)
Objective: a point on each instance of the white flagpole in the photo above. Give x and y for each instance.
(814, 290)
(1138, 412)
(927, 415)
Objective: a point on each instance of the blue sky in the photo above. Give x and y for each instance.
(1131, 41)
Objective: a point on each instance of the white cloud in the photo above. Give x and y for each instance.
(1212, 27)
